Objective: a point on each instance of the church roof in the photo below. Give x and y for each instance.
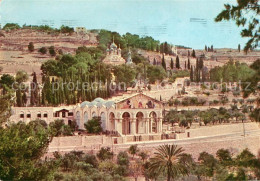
(113, 45)
(99, 102)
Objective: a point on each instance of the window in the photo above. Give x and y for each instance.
(70, 114)
(45, 115)
(63, 114)
(39, 115)
(21, 115)
(28, 115)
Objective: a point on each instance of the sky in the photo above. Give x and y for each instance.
(180, 22)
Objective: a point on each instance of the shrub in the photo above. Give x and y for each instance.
(105, 154)
(43, 50)
(31, 47)
(93, 125)
(58, 128)
(52, 51)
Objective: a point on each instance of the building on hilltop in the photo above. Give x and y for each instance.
(114, 55)
(129, 58)
(81, 30)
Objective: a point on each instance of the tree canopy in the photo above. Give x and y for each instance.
(246, 14)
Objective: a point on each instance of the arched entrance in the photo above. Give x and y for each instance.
(103, 120)
(140, 124)
(153, 123)
(126, 124)
(94, 114)
(112, 121)
(85, 117)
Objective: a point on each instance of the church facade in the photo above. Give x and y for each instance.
(113, 55)
(135, 114)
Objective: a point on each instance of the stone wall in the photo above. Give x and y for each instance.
(70, 143)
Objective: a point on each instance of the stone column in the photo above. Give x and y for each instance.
(133, 127)
(146, 125)
(133, 123)
(159, 125)
(118, 126)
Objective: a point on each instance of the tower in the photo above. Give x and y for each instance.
(129, 58)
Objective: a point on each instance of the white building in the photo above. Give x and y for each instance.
(136, 114)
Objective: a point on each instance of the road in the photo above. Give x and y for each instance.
(201, 139)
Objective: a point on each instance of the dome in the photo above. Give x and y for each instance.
(99, 102)
(84, 104)
(98, 99)
(113, 46)
(109, 104)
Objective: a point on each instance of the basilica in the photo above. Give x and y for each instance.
(135, 114)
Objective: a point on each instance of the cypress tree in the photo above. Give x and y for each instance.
(34, 90)
(200, 64)
(154, 61)
(193, 54)
(172, 64)
(238, 47)
(166, 51)
(188, 53)
(188, 63)
(24, 99)
(177, 62)
(206, 48)
(163, 63)
(18, 98)
(191, 74)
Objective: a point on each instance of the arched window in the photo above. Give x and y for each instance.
(112, 121)
(103, 120)
(126, 123)
(140, 127)
(85, 117)
(94, 114)
(153, 123)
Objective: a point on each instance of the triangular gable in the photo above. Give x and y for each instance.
(139, 100)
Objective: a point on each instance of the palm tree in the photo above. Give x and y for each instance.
(168, 160)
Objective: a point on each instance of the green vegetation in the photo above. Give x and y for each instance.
(93, 125)
(21, 98)
(43, 50)
(178, 74)
(52, 51)
(66, 29)
(133, 150)
(45, 28)
(128, 40)
(85, 69)
(21, 149)
(11, 26)
(105, 154)
(211, 116)
(59, 128)
(31, 47)
(169, 161)
(244, 13)
(231, 72)
(6, 82)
